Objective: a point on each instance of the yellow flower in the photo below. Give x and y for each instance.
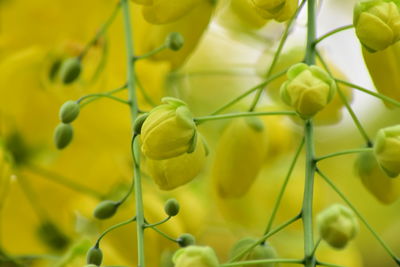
(260, 252)
(387, 150)
(377, 23)
(173, 172)
(381, 186)
(239, 156)
(168, 131)
(308, 89)
(337, 225)
(280, 10)
(195, 256)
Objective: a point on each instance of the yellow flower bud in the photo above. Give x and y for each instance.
(384, 69)
(308, 89)
(280, 10)
(381, 186)
(387, 150)
(195, 256)
(260, 252)
(377, 23)
(337, 225)
(168, 131)
(171, 173)
(239, 156)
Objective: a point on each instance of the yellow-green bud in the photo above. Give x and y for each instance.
(171, 207)
(185, 240)
(137, 125)
(168, 130)
(70, 70)
(63, 135)
(387, 150)
(94, 256)
(280, 10)
(308, 89)
(263, 251)
(337, 225)
(69, 111)
(52, 236)
(106, 209)
(174, 41)
(381, 186)
(377, 23)
(195, 256)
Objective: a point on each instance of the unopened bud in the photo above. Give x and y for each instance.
(63, 135)
(94, 256)
(69, 111)
(387, 150)
(70, 70)
(174, 41)
(195, 256)
(186, 240)
(263, 251)
(171, 207)
(52, 236)
(106, 209)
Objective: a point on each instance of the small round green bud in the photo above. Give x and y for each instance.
(63, 135)
(186, 240)
(70, 70)
(55, 67)
(337, 225)
(94, 256)
(387, 150)
(195, 256)
(137, 125)
(174, 41)
(52, 236)
(69, 111)
(263, 251)
(106, 209)
(171, 207)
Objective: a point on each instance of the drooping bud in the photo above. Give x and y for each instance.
(186, 240)
(280, 10)
(69, 111)
(260, 252)
(377, 23)
(387, 150)
(106, 209)
(195, 256)
(52, 236)
(94, 256)
(171, 207)
(70, 70)
(63, 135)
(381, 186)
(337, 225)
(174, 41)
(308, 89)
(168, 130)
(239, 156)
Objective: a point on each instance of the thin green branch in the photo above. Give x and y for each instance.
(277, 53)
(93, 97)
(113, 228)
(345, 152)
(101, 95)
(283, 188)
(340, 29)
(143, 91)
(164, 235)
(157, 223)
(199, 120)
(347, 105)
(253, 262)
(151, 53)
(365, 222)
(264, 238)
(377, 95)
(320, 263)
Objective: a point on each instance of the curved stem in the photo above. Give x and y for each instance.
(347, 105)
(378, 95)
(151, 53)
(320, 263)
(253, 262)
(343, 28)
(100, 95)
(365, 222)
(164, 235)
(199, 120)
(345, 152)
(283, 188)
(113, 228)
(157, 223)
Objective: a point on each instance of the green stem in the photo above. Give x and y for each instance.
(199, 120)
(365, 222)
(93, 98)
(347, 105)
(113, 228)
(308, 196)
(343, 28)
(378, 95)
(151, 53)
(277, 53)
(264, 238)
(143, 91)
(157, 223)
(260, 262)
(345, 152)
(320, 263)
(57, 178)
(100, 95)
(164, 235)
(283, 188)
(248, 92)
(311, 32)
(101, 31)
